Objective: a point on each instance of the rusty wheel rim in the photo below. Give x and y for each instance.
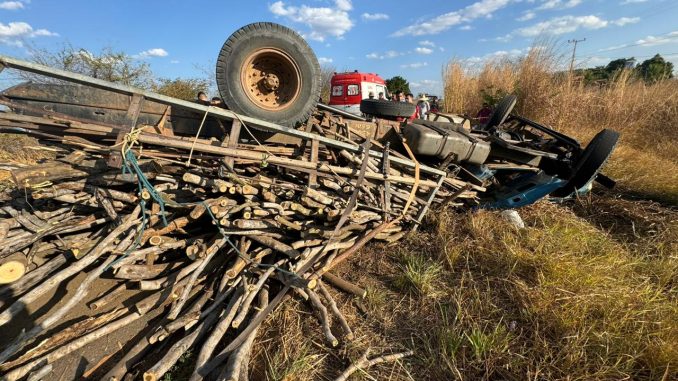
(271, 79)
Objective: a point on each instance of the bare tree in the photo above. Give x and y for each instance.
(182, 88)
(326, 73)
(207, 75)
(107, 64)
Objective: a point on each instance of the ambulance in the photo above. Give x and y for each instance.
(348, 89)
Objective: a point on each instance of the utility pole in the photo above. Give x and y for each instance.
(574, 51)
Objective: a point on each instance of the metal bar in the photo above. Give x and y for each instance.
(213, 111)
(563, 138)
(343, 113)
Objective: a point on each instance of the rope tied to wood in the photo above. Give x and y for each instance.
(197, 134)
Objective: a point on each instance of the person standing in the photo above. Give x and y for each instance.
(483, 116)
(423, 107)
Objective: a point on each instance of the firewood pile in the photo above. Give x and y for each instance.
(213, 234)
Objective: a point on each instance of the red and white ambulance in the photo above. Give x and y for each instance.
(348, 89)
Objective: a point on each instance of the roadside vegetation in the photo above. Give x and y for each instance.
(645, 112)
(586, 291)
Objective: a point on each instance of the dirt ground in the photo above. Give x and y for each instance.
(72, 367)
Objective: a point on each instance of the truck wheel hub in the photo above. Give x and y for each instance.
(271, 79)
(271, 82)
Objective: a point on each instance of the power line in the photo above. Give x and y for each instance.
(574, 51)
(629, 44)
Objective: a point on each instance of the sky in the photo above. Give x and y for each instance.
(414, 39)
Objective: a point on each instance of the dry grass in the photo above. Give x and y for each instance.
(18, 150)
(564, 298)
(646, 160)
(587, 291)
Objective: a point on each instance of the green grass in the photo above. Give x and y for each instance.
(419, 275)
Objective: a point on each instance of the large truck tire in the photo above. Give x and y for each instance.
(590, 162)
(268, 71)
(391, 109)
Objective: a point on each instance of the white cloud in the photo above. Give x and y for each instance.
(547, 5)
(423, 83)
(566, 24)
(632, 2)
(387, 54)
(427, 43)
(653, 41)
(668, 38)
(14, 32)
(155, 52)
(558, 4)
(415, 65)
(592, 61)
(11, 5)
(500, 54)
(322, 21)
(423, 50)
(427, 86)
(374, 16)
(529, 15)
(324, 60)
(465, 27)
(344, 5)
(483, 8)
(563, 24)
(174, 61)
(626, 20)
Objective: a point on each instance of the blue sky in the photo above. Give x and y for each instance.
(410, 38)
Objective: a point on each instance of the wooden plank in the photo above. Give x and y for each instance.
(386, 167)
(233, 138)
(160, 127)
(312, 178)
(115, 159)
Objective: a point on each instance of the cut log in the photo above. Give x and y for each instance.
(12, 268)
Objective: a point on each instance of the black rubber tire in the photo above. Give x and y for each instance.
(590, 162)
(502, 111)
(260, 35)
(378, 107)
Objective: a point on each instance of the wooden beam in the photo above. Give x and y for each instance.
(233, 138)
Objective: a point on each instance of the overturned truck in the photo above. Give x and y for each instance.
(206, 219)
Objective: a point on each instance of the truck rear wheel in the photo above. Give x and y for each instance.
(590, 162)
(268, 71)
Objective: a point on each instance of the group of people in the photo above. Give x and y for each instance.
(423, 106)
(204, 100)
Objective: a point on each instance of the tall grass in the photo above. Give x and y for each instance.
(646, 160)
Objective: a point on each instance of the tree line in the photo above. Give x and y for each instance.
(651, 70)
